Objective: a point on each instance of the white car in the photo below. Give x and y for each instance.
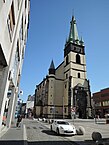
(63, 127)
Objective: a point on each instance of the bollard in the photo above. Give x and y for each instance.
(81, 130)
(96, 136)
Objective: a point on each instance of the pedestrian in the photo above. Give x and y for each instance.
(19, 119)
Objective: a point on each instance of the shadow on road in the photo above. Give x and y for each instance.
(49, 132)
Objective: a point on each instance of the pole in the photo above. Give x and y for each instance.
(63, 106)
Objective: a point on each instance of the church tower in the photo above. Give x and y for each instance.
(77, 98)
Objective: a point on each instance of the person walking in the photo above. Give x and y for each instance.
(19, 119)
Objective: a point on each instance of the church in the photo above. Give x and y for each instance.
(65, 91)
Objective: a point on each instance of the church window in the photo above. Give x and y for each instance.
(66, 76)
(74, 48)
(78, 75)
(67, 60)
(78, 59)
(65, 85)
(65, 110)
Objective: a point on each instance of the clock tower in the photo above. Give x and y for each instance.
(77, 96)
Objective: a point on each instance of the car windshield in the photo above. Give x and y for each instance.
(62, 122)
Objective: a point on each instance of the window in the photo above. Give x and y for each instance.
(21, 30)
(65, 110)
(105, 103)
(67, 60)
(78, 59)
(11, 21)
(78, 75)
(18, 3)
(65, 85)
(98, 104)
(25, 3)
(18, 55)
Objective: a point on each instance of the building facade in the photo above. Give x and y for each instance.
(30, 106)
(66, 91)
(101, 102)
(14, 23)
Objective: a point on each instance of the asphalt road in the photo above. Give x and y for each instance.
(39, 134)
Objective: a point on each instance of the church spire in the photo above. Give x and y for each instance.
(52, 68)
(73, 35)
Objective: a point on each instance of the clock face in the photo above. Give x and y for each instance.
(78, 49)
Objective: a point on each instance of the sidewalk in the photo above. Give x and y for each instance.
(14, 136)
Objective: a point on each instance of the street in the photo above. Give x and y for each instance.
(34, 132)
(38, 133)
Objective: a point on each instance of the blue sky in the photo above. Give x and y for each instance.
(48, 30)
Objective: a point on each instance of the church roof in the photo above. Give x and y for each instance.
(52, 65)
(73, 35)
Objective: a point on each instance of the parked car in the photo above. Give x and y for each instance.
(63, 127)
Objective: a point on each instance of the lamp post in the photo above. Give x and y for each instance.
(95, 113)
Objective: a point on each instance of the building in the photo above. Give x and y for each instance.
(18, 110)
(101, 102)
(65, 91)
(30, 106)
(14, 23)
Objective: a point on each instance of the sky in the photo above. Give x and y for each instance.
(48, 30)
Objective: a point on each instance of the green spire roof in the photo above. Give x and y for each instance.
(73, 35)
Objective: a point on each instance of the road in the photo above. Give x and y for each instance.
(34, 132)
(39, 134)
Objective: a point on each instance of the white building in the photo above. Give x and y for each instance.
(30, 106)
(14, 22)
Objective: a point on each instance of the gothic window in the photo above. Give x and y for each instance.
(67, 60)
(78, 59)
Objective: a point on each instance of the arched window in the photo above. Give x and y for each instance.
(78, 59)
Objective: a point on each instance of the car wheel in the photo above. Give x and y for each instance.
(57, 131)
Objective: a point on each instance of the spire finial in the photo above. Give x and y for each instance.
(73, 35)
